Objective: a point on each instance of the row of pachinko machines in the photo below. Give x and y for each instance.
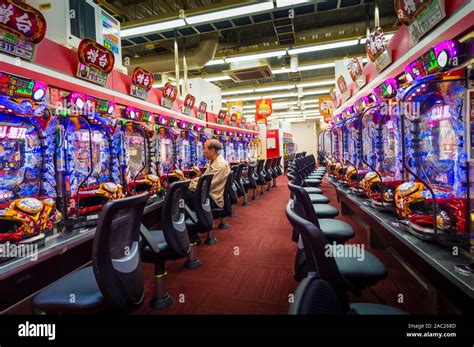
(61, 162)
(404, 147)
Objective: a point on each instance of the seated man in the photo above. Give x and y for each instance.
(219, 167)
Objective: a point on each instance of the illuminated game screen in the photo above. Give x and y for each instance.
(390, 146)
(94, 160)
(368, 139)
(441, 128)
(185, 152)
(353, 138)
(21, 159)
(166, 153)
(135, 145)
(240, 151)
(200, 152)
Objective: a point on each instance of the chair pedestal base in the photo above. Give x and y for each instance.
(234, 214)
(262, 190)
(223, 224)
(161, 303)
(192, 262)
(254, 194)
(269, 186)
(246, 200)
(274, 183)
(211, 239)
(162, 299)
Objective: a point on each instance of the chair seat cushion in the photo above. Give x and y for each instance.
(362, 270)
(312, 182)
(367, 308)
(336, 230)
(56, 298)
(325, 211)
(148, 255)
(314, 177)
(318, 199)
(313, 190)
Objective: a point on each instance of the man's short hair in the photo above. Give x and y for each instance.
(214, 144)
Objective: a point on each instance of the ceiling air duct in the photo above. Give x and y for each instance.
(196, 58)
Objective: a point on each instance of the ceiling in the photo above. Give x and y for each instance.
(314, 22)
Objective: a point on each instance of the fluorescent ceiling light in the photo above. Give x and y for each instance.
(285, 3)
(277, 88)
(310, 101)
(293, 51)
(257, 97)
(158, 85)
(215, 62)
(285, 70)
(285, 105)
(217, 78)
(316, 92)
(316, 84)
(230, 13)
(152, 28)
(243, 91)
(316, 66)
(323, 47)
(255, 56)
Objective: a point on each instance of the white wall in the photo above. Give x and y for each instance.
(305, 137)
(207, 92)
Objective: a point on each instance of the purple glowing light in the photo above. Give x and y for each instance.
(447, 46)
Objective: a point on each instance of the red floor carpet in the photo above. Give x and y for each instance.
(250, 270)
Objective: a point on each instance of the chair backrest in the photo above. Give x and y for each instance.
(251, 175)
(268, 164)
(234, 194)
(316, 246)
(227, 194)
(116, 253)
(303, 203)
(314, 296)
(202, 202)
(260, 166)
(173, 220)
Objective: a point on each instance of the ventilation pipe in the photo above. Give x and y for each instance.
(196, 58)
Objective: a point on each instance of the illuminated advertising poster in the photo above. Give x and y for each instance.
(264, 110)
(95, 62)
(21, 28)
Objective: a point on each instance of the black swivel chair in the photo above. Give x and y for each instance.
(268, 173)
(315, 296)
(274, 171)
(344, 273)
(240, 184)
(114, 282)
(296, 180)
(199, 219)
(251, 181)
(234, 193)
(226, 211)
(169, 243)
(278, 167)
(261, 176)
